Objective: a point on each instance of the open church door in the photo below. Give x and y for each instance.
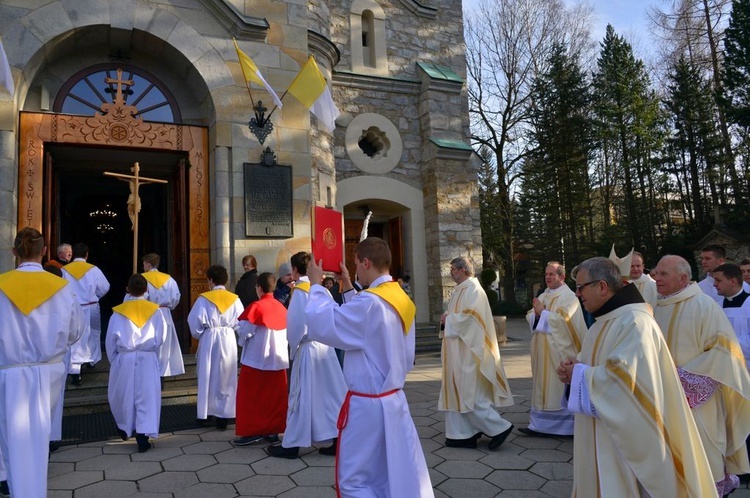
(395, 242)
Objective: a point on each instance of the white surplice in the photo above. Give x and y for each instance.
(134, 388)
(32, 378)
(647, 287)
(216, 357)
(740, 320)
(379, 451)
(316, 384)
(168, 297)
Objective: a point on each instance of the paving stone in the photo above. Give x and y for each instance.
(315, 459)
(553, 471)
(59, 493)
(315, 476)
(512, 479)
(133, 471)
(464, 469)
(178, 440)
(189, 462)
(277, 466)
(212, 490)
(265, 485)
(103, 462)
(474, 488)
(225, 473)
(111, 489)
(156, 454)
(59, 468)
(559, 489)
(75, 480)
(241, 455)
(207, 447)
(168, 482)
(309, 492)
(74, 454)
(547, 455)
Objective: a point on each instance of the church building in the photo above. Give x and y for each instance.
(100, 85)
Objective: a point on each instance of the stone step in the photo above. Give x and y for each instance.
(427, 337)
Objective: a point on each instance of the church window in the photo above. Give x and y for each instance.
(368, 48)
(85, 92)
(373, 143)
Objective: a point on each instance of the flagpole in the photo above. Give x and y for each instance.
(275, 106)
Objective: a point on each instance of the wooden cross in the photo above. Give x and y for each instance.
(134, 201)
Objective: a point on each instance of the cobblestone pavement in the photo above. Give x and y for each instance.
(203, 463)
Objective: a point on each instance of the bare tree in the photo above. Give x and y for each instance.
(508, 44)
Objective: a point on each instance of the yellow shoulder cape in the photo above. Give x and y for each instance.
(222, 298)
(156, 278)
(303, 286)
(393, 294)
(78, 268)
(137, 311)
(28, 290)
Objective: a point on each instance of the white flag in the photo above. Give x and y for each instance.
(6, 78)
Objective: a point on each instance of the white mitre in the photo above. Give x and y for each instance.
(622, 263)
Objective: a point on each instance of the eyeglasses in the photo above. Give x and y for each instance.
(579, 288)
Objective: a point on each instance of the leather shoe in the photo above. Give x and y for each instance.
(496, 441)
(221, 424)
(143, 443)
(469, 442)
(329, 450)
(123, 435)
(531, 432)
(279, 451)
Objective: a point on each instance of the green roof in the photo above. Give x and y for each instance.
(451, 144)
(440, 72)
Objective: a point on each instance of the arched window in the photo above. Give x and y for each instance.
(85, 92)
(367, 25)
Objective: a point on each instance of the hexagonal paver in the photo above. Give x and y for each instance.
(156, 454)
(315, 476)
(464, 469)
(103, 462)
(459, 453)
(75, 480)
(241, 455)
(207, 448)
(74, 454)
(506, 462)
(203, 490)
(277, 466)
(225, 473)
(189, 462)
(177, 440)
(475, 488)
(264, 485)
(309, 492)
(133, 471)
(547, 455)
(561, 489)
(55, 469)
(112, 489)
(168, 482)
(553, 471)
(511, 479)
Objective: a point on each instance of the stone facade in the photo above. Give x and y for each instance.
(403, 94)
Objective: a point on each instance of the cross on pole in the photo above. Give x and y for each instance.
(134, 201)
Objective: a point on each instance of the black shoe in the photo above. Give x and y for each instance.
(143, 444)
(54, 446)
(329, 450)
(272, 438)
(89, 366)
(75, 379)
(247, 440)
(4, 490)
(221, 424)
(469, 442)
(201, 422)
(123, 435)
(496, 441)
(279, 451)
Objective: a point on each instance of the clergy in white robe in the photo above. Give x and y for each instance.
(474, 381)
(40, 321)
(213, 322)
(163, 290)
(89, 284)
(135, 333)
(711, 367)
(634, 433)
(711, 257)
(316, 385)
(379, 452)
(736, 305)
(643, 281)
(557, 328)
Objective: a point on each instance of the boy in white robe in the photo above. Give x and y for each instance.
(213, 321)
(89, 285)
(40, 321)
(316, 385)
(135, 333)
(643, 281)
(379, 452)
(163, 290)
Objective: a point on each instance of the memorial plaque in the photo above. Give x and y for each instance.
(268, 201)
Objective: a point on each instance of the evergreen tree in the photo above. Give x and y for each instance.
(736, 74)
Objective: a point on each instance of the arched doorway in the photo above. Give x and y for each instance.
(63, 192)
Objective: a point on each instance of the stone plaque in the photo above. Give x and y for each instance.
(268, 201)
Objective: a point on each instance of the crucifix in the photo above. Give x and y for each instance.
(134, 202)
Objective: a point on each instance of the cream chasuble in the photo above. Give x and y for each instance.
(643, 433)
(647, 287)
(702, 342)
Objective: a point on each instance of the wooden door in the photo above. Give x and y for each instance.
(395, 242)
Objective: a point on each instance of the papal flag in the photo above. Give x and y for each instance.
(6, 78)
(252, 73)
(311, 89)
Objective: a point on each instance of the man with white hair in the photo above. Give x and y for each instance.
(64, 255)
(711, 367)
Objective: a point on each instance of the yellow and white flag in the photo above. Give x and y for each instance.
(252, 73)
(311, 89)
(6, 78)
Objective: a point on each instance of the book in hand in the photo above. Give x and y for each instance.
(328, 237)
